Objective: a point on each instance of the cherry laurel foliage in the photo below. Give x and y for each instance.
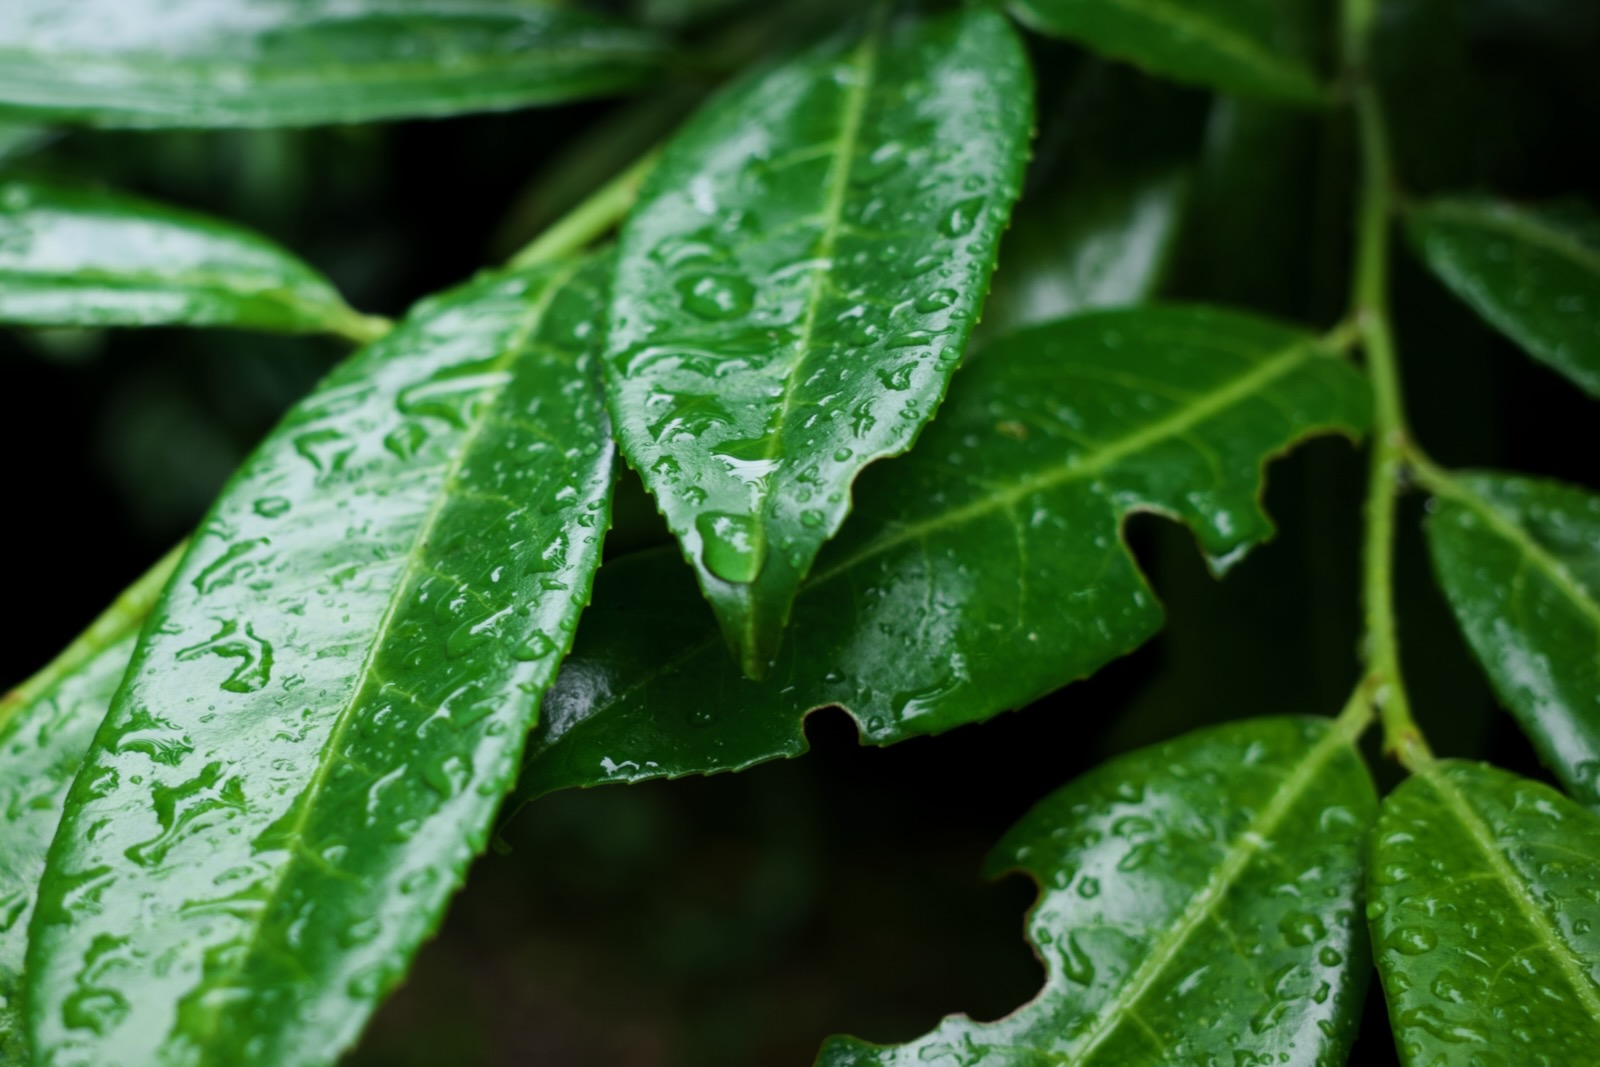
(235, 807)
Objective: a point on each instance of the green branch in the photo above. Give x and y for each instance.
(579, 227)
(1370, 311)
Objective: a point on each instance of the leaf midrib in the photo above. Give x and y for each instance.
(307, 799)
(1246, 846)
(1548, 936)
(1522, 225)
(1510, 530)
(1202, 407)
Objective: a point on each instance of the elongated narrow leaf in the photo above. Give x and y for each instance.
(984, 569)
(1535, 275)
(796, 284)
(1519, 560)
(74, 256)
(46, 725)
(1484, 900)
(1238, 46)
(1198, 904)
(333, 694)
(165, 63)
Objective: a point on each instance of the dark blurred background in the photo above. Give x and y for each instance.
(738, 920)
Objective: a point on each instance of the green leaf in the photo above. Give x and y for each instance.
(1100, 216)
(1533, 274)
(18, 140)
(46, 724)
(1519, 560)
(795, 285)
(1484, 903)
(75, 256)
(1181, 920)
(981, 571)
(1237, 46)
(333, 694)
(167, 63)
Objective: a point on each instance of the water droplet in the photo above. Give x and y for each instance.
(406, 441)
(961, 217)
(244, 644)
(1413, 940)
(1089, 888)
(717, 295)
(1075, 962)
(271, 507)
(840, 455)
(1300, 928)
(327, 450)
(936, 300)
(732, 546)
(811, 518)
(537, 646)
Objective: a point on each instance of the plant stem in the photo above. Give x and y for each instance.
(125, 615)
(1370, 311)
(591, 218)
(361, 329)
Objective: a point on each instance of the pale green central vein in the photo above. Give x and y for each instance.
(1549, 938)
(1178, 422)
(1244, 849)
(307, 800)
(1510, 531)
(1529, 230)
(864, 62)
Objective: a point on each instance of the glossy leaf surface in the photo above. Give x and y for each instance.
(75, 256)
(155, 63)
(1519, 561)
(1198, 904)
(982, 570)
(795, 285)
(1238, 46)
(333, 694)
(46, 725)
(1533, 274)
(1484, 901)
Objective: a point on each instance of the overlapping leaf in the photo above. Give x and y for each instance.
(1519, 560)
(1239, 46)
(795, 286)
(1533, 274)
(333, 694)
(152, 63)
(981, 571)
(1484, 902)
(74, 256)
(46, 725)
(1181, 921)
(1105, 199)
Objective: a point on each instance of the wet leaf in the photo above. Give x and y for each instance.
(1105, 199)
(795, 285)
(1484, 903)
(1519, 561)
(182, 63)
(1534, 274)
(1181, 920)
(981, 571)
(1238, 46)
(75, 256)
(333, 694)
(46, 724)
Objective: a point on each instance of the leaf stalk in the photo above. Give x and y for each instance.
(1385, 684)
(591, 219)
